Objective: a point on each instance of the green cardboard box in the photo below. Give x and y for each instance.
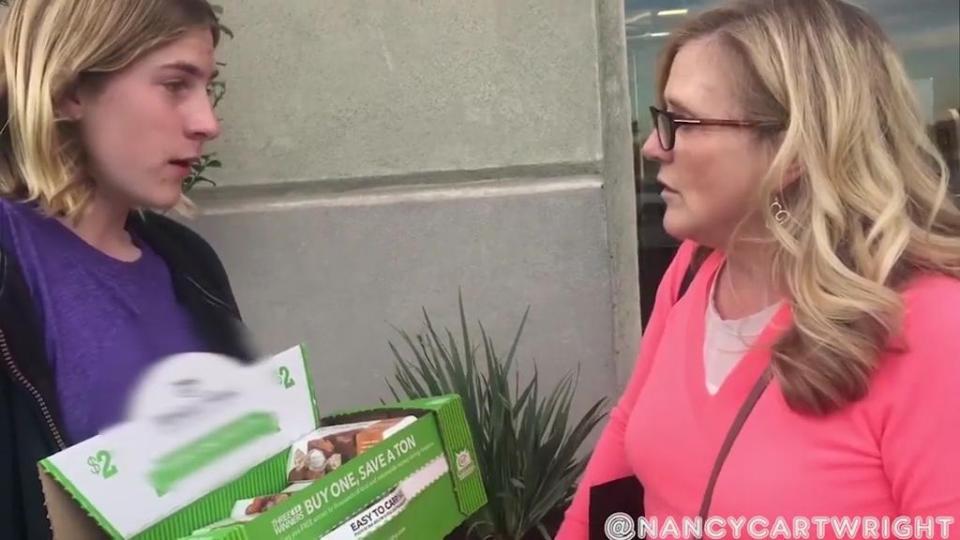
(420, 483)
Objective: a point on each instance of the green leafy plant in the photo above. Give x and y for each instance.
(198, 171)
(527, 441)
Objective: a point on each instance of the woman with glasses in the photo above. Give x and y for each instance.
(803, 355)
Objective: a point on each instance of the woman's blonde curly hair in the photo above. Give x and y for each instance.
(871, 208)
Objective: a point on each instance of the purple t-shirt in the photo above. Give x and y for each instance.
(105, 321)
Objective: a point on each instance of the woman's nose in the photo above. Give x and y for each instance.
(652, 149)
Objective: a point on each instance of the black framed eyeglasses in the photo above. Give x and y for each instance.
(667, 123)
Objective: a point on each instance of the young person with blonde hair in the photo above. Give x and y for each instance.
(810, 365)
(105, 108)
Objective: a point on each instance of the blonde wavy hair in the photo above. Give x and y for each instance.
(871, 208)
(47, 49)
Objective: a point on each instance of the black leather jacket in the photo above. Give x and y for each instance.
(30, 420)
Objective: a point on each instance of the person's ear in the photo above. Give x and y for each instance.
(794, 172)
(69, 104)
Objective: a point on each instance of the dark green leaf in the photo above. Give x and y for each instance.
(527, 451)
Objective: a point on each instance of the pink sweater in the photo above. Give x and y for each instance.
(894, 453)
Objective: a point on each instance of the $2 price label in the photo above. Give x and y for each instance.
(285, 379)
(101, 464)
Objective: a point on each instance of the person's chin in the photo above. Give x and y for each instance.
(676, 224)
(163, 200)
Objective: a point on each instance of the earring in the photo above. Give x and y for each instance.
(780, 214)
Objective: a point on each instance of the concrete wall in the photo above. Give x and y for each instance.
(360, 88)
(380, 155)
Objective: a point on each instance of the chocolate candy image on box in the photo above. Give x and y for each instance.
(244, 509)
(326, 449)
(258, 505)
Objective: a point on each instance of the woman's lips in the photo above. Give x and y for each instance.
(667, 190)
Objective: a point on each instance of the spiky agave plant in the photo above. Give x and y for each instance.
(526, 439)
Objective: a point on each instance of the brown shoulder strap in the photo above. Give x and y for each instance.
(732, 433)
(699, 256)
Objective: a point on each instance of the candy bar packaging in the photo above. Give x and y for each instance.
(243, 453)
